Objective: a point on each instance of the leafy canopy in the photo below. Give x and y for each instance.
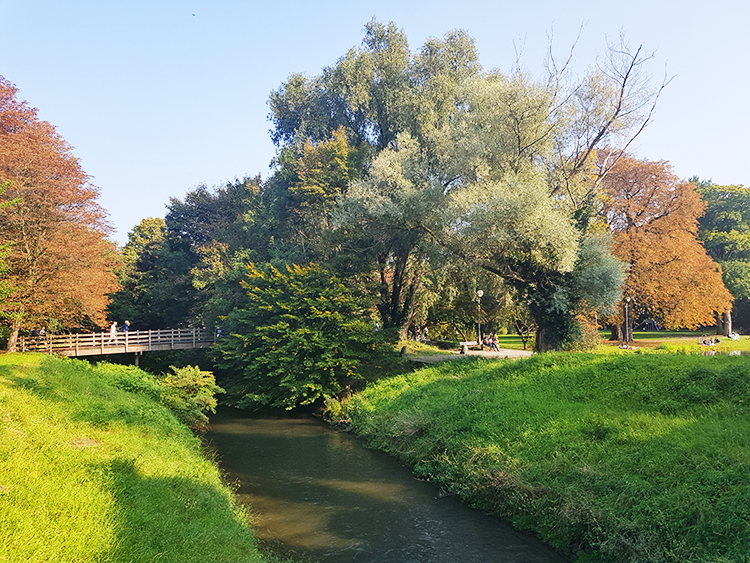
(654, 219)
(299, 339)
(55, 210)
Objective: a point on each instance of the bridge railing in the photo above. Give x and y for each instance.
(105, 343)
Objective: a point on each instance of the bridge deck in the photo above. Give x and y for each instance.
(100, 343)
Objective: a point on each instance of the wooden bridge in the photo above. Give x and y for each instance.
(100, 343)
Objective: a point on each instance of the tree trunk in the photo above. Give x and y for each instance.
(15, 328)
(627, 325)
(540, 343)
(398, 288)
(554, 326)
(615, 332)
(727, 323)
(719, 323)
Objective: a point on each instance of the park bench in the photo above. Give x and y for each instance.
(465, 345)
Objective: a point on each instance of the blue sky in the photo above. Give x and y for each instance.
(159, 96)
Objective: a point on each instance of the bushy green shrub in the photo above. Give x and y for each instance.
(301, 338)
(190, 393)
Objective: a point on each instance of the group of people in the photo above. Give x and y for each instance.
(490, 340)
(39, 332)
(418, 333)
(113, 330)
(714, 340)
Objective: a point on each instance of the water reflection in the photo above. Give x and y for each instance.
(317, 494)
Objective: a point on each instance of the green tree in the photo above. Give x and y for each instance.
(367, 92)
(725, 226)
(303, 191)
(300, 338)
(725, 232)
(372, 94)
(446, 135)
(172, 264)
(137, 300)
(384, 216)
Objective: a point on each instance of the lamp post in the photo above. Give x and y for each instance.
(627, 323)
(479, 318)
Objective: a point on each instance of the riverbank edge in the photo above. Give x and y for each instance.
(389, 417)
(94, 469)
(479, 496)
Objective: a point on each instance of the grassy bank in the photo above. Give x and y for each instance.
(640, 457)
(93, 468)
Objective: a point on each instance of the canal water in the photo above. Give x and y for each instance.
(318, 495)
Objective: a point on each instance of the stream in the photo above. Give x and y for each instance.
(318, 495)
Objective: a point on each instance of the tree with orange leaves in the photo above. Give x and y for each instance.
(654, 219)
(59, 263)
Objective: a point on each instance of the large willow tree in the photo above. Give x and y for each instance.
(495, 167)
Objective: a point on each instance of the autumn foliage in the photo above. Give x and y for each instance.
(59, 261)
(654, 219)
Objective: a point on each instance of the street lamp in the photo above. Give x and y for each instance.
(479, 318)
(627, 324)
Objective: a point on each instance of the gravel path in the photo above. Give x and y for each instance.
(504, 353)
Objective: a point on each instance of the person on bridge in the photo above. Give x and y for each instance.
(113, 331)
(126, 326)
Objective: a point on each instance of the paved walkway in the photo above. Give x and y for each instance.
(504, 353)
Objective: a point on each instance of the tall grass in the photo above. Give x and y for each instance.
(93, 468)
(615, 458)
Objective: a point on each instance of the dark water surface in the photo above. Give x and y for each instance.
(319, 495)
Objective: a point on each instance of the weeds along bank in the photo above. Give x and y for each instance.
(611, 458)
(94, 467)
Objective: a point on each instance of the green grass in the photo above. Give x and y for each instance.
(685, 342)
(513, 342)
(639, 457)
(93, 469)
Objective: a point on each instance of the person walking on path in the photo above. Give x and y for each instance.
(113, 331)
(126, 326)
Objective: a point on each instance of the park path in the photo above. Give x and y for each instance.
(504, 353)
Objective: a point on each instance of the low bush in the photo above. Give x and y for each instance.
(190, 394)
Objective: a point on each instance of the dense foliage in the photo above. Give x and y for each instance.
(59, 264)
(725, 230)
(300, 338)
(419, 178)
(653, 216)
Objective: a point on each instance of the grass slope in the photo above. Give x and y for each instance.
(93, 469)
(640, 457)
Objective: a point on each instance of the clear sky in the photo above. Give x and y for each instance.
(160, 96)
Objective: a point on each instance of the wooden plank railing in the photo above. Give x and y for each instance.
(99, 343)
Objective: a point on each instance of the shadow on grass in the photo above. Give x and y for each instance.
(175, 519)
